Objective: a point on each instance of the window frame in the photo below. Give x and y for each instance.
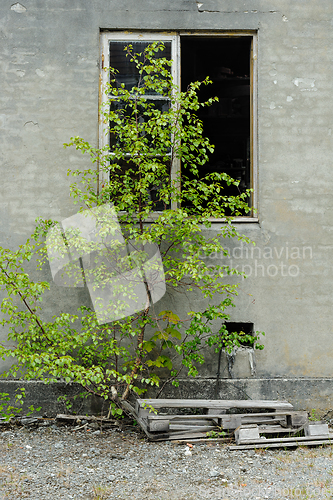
(175, 38)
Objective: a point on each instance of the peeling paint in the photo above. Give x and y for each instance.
(305, 84)
(19, 8)
(202, 9)
(20, 72)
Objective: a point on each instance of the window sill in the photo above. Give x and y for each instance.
(238, 220)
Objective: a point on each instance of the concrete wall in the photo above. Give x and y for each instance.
(49, 74)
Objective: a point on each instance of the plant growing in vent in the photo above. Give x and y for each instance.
(153, 209)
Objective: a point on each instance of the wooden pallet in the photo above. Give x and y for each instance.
(214, 417)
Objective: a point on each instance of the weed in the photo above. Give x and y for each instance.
(314, 416)
(216, 434)
(100, 492)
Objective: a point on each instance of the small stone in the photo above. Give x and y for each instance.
(214, 473)
(111, 478)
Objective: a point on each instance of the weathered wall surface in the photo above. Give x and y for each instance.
(49, 74)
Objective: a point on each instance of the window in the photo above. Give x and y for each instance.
(229, 59)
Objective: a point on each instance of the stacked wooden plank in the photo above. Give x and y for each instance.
(204, 416)
(254, 424)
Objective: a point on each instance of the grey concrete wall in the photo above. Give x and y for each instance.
(49, 73)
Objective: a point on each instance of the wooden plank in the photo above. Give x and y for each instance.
(153, 417)
(188, 435)
(211, 423)
(166, 424)
(263, 415)
(75, 418)
(282, 440)
(280, 445)
(272, 429)
(190, 428)
(213, 411)
(206, 440)
(212, 403)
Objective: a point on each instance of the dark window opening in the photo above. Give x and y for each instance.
(227, 123)
(247, 328)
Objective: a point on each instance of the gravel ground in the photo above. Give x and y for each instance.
(50, 462)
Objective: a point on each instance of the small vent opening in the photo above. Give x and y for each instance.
(247, 328)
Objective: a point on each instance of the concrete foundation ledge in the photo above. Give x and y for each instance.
(304, 393)
(47, 397)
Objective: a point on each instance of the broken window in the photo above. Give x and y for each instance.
(229, 61)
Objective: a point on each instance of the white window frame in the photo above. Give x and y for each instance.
(175, 39)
